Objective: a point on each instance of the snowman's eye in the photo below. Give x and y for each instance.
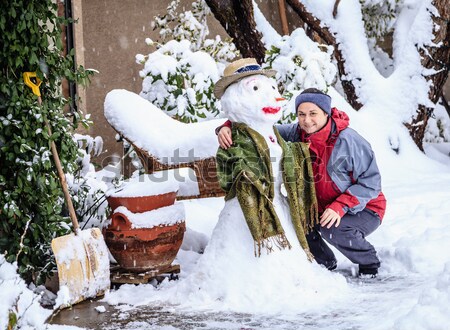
(255, 88)
(273, 87)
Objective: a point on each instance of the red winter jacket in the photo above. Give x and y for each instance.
(346, 175)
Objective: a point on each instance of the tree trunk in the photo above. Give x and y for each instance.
(236, 16)
(435, 59)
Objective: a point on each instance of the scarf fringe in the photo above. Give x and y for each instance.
(280, 241)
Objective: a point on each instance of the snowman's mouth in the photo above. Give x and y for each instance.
(271, 110)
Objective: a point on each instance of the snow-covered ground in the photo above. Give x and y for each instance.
(413, 242)
(412, 291)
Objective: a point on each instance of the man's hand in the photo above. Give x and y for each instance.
(329, 217)
(224, 137)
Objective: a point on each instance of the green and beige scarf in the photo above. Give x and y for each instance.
(244, 171)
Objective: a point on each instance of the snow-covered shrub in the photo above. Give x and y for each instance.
(179, 75)
(180, 81)
(192, 25)
(300, 64)
(87, 185)
(20, 308)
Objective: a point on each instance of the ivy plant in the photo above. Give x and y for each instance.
(32, 210)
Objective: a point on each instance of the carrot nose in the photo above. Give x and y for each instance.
(278, 99)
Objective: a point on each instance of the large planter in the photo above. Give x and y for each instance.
(144, 249)
(142, 235)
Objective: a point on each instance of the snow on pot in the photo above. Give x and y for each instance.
(147, 226)
(144, 193)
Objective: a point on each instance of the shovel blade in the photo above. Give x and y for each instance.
(83, 265)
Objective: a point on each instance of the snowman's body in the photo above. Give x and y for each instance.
(228, 271)
(254, 101)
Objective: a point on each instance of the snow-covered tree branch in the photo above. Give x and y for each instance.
(419, 33)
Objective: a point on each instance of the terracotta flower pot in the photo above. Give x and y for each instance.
(142, 203)
(143, 249)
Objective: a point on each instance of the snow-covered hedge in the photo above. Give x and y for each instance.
(31, 199)
(179, 76)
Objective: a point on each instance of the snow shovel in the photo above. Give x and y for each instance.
(82, 257)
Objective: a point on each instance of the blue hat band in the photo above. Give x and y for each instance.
(323, 101)
(253, 67)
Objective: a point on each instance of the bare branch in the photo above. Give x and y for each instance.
(335, 9)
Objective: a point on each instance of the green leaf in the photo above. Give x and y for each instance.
(12, 320)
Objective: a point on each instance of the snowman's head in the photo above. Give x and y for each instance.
(253, 100)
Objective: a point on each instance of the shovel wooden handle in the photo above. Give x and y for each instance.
(31, 80)
(62, 178)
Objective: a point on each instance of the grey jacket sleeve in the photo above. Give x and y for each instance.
(289, 132)
(354, 170)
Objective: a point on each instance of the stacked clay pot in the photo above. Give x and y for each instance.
(143, 249)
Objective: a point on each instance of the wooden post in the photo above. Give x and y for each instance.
(284, 24)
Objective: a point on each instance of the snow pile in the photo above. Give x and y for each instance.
(163, 216)
(147, 127)
(18, 301)
(146, 185)
(431, 310)
(194, 241)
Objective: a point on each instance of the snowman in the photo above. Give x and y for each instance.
(257, 259)
(260, 171)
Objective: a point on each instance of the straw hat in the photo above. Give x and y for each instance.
(238, 70)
